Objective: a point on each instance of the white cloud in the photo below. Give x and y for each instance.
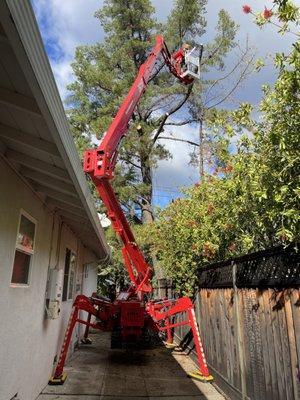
(64, 26)
(175, 173)
(69, 22)
(63, 75)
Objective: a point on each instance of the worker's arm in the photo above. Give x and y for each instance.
(178, 55)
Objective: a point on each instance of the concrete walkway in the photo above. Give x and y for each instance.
(98, 373)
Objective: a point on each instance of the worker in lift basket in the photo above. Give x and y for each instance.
(179, 57)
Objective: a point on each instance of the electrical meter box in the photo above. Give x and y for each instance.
(53, 309)
(54, 292)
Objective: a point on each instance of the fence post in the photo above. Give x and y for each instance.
(239, 333)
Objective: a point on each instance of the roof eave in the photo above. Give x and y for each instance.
(36, 67)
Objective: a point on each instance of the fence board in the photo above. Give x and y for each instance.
(270, 342)
(215, 330)
(259, 362)
(229, 333)
(295, 302)
(292, 348)
(204, 324)
(222, 333)
(239, 341)
(277, 343)
(285, 349)
(212, 329)
(265, 345)
(233, 341)
(249, 344)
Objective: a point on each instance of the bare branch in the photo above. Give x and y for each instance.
(157, 72)
(133, 164)
(213, 52)
(188, 121)
(180, 140)
(244, 52)
(158, 104)
(106, 89)
(172, 111)
(217, 81)
(243, 74)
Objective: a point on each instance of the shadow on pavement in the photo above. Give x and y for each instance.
(96, 372)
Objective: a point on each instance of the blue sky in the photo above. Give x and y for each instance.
(70, 23)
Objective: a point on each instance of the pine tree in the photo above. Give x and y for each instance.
(105, 71)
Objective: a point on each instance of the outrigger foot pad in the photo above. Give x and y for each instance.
(86, 341)
(197, 375)
(58, 381)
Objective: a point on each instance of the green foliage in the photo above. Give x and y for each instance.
(112, 276)
(186, 22)
(224, 41)
(251, 201)
(287, 11)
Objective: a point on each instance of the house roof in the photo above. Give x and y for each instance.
(35, 136)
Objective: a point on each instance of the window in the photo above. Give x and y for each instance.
(69, 275)
(24, 250)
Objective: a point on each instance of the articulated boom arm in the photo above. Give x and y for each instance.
(129, 317)
(100, 164)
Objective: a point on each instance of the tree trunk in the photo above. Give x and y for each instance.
(148, 217)
(201, 146)
(147, 213)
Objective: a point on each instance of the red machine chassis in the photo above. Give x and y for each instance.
(130, 315)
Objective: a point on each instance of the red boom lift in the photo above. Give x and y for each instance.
(131, 315)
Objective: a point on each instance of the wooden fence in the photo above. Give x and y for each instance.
(248, 311)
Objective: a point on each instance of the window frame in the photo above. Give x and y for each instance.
(23, 249)
(65, 295)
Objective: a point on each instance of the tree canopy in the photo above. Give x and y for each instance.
(105, 71)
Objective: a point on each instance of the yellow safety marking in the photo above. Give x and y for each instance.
(200, 377)
(58, 381)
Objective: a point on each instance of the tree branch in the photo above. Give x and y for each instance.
(104, 88)
(179, 140)
(157, 105)
(231, 72)
(188, 121)
(156, 72)
(241, 77)
(133, 164)
(211, 55)
(172, 111)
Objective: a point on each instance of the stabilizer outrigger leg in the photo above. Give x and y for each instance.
(81, 303)
(162, 311)
(203, 373)
(169, 343)
(86, 339)
(59, 376)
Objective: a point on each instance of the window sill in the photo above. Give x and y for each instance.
(19, 285)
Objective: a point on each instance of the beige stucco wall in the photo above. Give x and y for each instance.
(29, 341)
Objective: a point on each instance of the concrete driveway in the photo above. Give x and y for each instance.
(96, 372)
